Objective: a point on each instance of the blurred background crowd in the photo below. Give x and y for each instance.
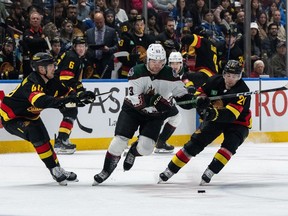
(108, 27)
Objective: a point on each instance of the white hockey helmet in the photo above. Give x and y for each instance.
(156, 52)
(176, 57)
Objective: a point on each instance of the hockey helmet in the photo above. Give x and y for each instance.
(156, 52)
(233, 67)
(175, 57)
(42, 59)
(79, 40)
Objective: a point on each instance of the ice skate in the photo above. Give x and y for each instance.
(100, 177)
(164, 176)
(206, 177)
(163, 147)
(64, 147)
(130, 157)
(61, 176)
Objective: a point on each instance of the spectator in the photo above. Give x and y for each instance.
(138, 5)
(102, 44)
(281, 28)
(196, 11)
(33, 41)
(9, 66)
(152, 25)
(258, 69)
(278, 61)
(161, 5)
(101, 5)
(83, 10)
(180, 13)
(230, 50)
(58, 15)
(120, 14)
(269, 44)
(224, 5)
(255, 10)
(56, 47)
(168, 37)
(255, 42)
(78, 26)
(16, 19)
(262, 22)
(240, 19)
(66, 35)
(216, 36)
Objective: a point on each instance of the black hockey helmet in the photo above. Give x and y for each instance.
(233, 67)
(79, 40)
(231, 30)
(41, 59)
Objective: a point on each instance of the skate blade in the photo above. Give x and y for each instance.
(163, 151)
(63, 183)
(95, 183)
(202, 183)
(75, 180)
(160, 181)
(64, 151)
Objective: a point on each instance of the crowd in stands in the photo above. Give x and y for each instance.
(111, 26)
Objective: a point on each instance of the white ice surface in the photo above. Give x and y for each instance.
(254, 182)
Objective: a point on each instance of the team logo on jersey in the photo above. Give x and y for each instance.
(34, 110)
(214, 92)
(131, 72)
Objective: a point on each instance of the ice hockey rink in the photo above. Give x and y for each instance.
(254, 182)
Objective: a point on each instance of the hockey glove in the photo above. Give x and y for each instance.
(86, 97)
(160, 103)
(190, 87)
(209, 114)
(203, 102)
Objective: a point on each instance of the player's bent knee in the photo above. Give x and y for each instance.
(118, 145)
(145, 145)
(175, 120)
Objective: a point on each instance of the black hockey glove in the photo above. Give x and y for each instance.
(209, 114)
(86, 97)
(190, 87)
(160, 103)
(203, 102)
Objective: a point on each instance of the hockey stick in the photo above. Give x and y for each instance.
(115, 55)
(285, 87)
(82, 127)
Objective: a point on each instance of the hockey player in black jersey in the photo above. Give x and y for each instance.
(206, 58)
(152, 87)
(70, 72)
(230, 116)
(20, 111)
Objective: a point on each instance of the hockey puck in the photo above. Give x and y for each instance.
(201, 191)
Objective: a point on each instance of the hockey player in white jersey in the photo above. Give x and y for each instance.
(175, 61)
(152, 87)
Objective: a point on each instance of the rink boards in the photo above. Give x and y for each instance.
(269, 112)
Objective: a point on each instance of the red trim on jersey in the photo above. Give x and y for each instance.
(43, 148)
(181, 155)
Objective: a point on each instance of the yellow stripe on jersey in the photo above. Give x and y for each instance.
(4, 115)
(36, 97)
(66, 77)
(178, 162)
(233, 110)
(207, 72)
(64, 130)
(221, 158)
(46, 154)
